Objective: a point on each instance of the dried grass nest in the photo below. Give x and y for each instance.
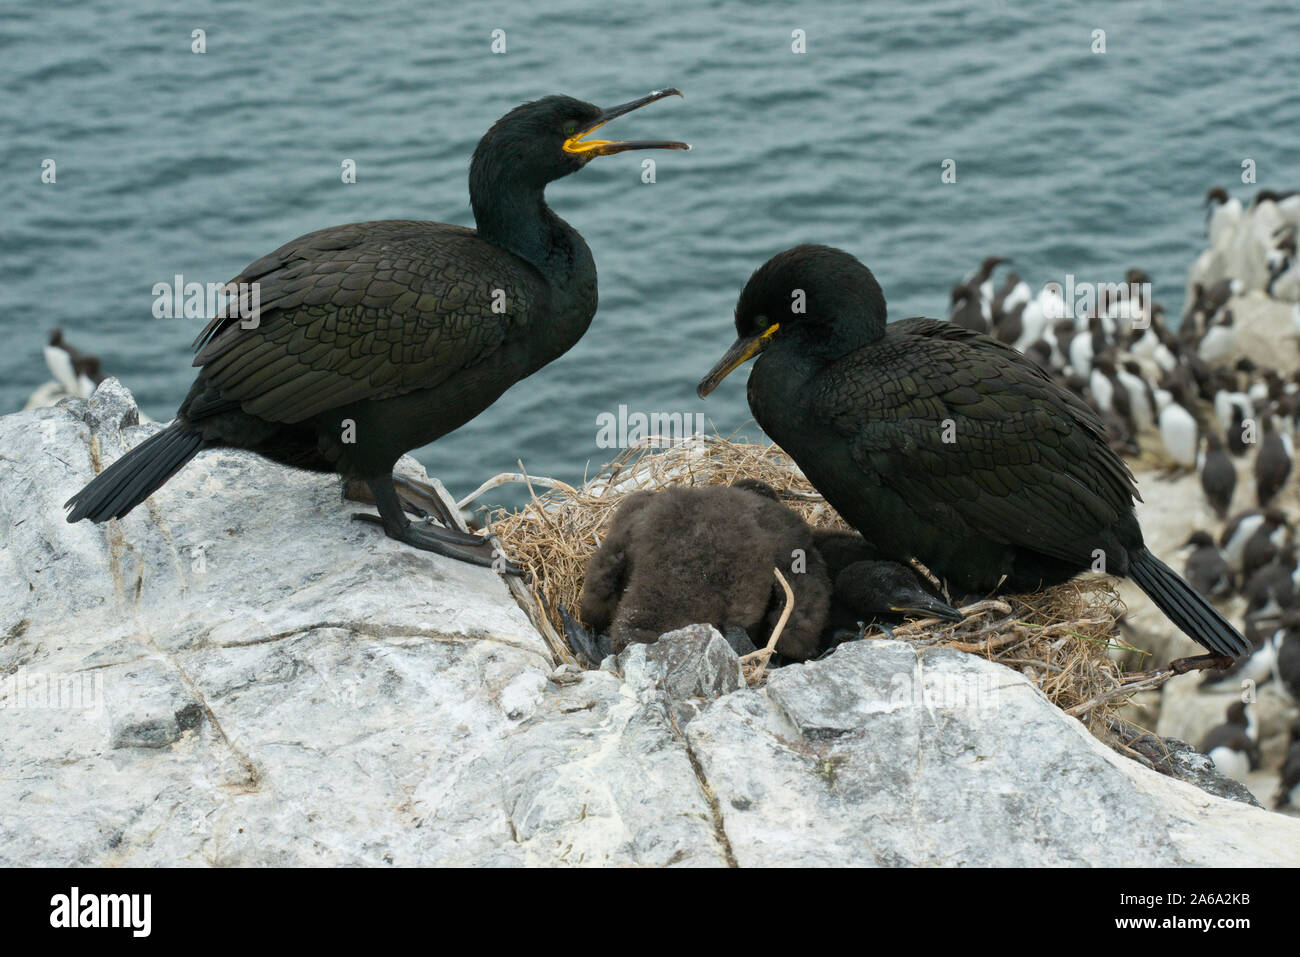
(1059, 638)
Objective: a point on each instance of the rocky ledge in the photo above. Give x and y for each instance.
(239, 674)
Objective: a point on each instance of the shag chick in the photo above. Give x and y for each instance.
(684, 556)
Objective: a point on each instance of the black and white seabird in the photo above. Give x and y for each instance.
(1219, 339)
(1255, 531)
(1222, 214)
(1014, 292)
(1287, 652)
(1178, 426)
(1288, 791)
(981, 281)
(1232, 746)
(1141, 397)
(1272, 462)
(1267, 542)
(1218, 474)
(1207, 570)
(966, 311)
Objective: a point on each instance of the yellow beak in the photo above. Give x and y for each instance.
(741, 351)
(579, 143)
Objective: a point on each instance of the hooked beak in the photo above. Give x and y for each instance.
(578, 144)
(741, 351)
(928, 607)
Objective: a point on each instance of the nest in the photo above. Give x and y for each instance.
(1059, 638)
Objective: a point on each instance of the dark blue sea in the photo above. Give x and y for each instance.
(1067, 160)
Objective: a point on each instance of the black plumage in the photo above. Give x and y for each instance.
(1235, 436)
(941, 443)
(868, 589)
(377, 338)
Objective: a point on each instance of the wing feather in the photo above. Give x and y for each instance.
(363, 311)
(1027, 463)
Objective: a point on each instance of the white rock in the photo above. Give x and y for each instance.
(237, 674)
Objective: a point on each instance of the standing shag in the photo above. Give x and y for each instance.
(377, 338)
(943, 444)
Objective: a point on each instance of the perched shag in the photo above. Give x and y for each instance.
(377, 338)
(1232, 746)
(1218, 474)
(943, 444)
(683, 556)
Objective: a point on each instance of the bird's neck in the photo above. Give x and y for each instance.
(514, 216)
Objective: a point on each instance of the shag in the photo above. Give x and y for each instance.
(377, 338)
(683, 556)
(944, 444)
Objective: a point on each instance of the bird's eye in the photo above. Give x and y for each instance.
(571, 129)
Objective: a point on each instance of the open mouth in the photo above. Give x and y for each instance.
(580, 145)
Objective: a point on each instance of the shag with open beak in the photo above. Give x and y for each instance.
(576, 131)
(379, 337)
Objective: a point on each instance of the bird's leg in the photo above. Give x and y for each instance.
(452, 544)
(414, 497)
(1209, 662)
(426, 498)
(356, 490)
(584, 643)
